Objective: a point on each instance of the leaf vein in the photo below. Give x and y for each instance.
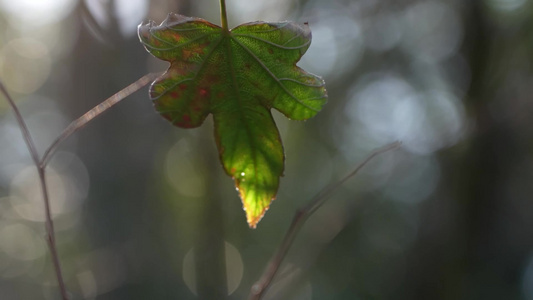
(283, 87)
(303, 83)
(274, 44)
(242, 114)
(183, 29)
(292, 39)
(263, 31)
(177, 46)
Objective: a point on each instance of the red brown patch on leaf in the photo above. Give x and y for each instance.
(185, 121)
(203, 92)
(196, 51)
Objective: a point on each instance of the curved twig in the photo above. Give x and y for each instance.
(260, 287)
(95, 112)
(50, 238)
(40, 164)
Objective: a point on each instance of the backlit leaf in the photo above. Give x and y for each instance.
(237, 76)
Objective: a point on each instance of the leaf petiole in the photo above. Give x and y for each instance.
(223, 16)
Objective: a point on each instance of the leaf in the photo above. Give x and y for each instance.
(238, 76)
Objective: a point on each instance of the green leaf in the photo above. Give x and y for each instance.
(238, 76)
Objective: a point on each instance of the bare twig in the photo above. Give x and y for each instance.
(40, 164)
(95, 112)
(259, 288)
(50, 238)
(25, 132)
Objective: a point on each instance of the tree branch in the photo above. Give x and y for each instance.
(40, 164)
(50, 238)
(300, 217)
(95, 112)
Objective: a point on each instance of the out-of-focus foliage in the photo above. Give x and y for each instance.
(237, 75)
(144, 211)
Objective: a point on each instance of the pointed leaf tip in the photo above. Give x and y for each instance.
(255, 203)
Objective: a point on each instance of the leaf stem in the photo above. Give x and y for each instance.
(259, 288)
(223, 16)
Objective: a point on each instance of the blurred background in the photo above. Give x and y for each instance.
(143, 209)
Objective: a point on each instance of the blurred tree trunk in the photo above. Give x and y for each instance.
(471, 259)
(209, 248)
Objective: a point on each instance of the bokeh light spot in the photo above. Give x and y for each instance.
(392, 110)
(67, 185)
(35, 13)
(183, 174)
(21, 242)
(88, 285)
(234, 269)
(383, 32)
(25, 65)
(433, 31)
(506, 5)
(337, 45)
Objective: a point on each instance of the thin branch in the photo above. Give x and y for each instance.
(50, 233)
(25, 132)
(95, 112)
(259, 288)
(49, 224)
(40, 164)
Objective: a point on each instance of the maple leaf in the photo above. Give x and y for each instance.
(237, 75)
